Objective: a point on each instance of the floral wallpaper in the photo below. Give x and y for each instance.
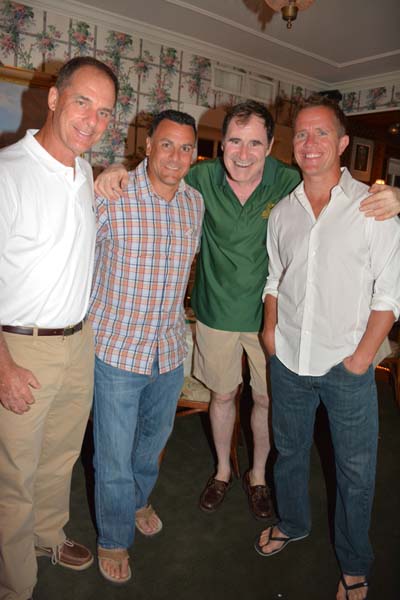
(371, 99)
(152, 76)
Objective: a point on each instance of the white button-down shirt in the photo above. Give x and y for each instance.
(328, 274)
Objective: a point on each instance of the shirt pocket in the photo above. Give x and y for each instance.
(184, 240)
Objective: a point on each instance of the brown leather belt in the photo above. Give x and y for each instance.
(64, 332)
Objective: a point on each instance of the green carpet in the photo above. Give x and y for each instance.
(210, 556)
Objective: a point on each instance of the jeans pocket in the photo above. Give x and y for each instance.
(351, 372)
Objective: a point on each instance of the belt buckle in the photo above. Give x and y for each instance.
(69, 331)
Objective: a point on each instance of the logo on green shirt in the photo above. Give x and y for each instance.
(267, 210)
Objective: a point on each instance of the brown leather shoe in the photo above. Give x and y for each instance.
(259, 498)
(69, 554)
(213, 494)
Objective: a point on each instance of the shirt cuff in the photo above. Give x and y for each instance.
(386, 303)
(271, 291)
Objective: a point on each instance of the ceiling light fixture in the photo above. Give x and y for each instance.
(289, 8)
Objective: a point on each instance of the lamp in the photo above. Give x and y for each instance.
(394, 129)
(289, 8)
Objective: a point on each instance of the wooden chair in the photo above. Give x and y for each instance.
(195, 398)
(390, 366)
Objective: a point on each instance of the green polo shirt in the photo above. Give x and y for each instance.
(232, 265)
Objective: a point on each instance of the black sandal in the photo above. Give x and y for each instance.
(354, 586)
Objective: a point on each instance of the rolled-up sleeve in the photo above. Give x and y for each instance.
(384, 240)
(275, 267)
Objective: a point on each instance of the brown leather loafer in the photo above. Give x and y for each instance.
(69, 554)
(213, 494)
(259, 498)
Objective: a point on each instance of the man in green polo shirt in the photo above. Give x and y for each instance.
(239, 192)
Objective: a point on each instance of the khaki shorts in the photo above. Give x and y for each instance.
(217, 360)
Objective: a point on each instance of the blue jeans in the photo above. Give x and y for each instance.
(133, 418)
(351, 404)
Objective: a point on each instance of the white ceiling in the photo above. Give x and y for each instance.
(332, 41)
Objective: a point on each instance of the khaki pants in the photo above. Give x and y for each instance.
(38, 451)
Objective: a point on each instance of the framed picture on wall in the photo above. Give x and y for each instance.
(362, 153)
(23, 102)
(393, 172)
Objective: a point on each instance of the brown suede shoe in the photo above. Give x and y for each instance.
(259, 498)
(214, 494)
(69, 554)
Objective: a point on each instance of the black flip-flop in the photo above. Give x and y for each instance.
(275, 538)
(355, 586)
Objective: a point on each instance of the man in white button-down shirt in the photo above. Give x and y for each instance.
(332, 295)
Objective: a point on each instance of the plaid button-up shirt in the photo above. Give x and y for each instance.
(145, 248)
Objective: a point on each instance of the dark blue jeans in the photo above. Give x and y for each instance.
(351, 404)
(133, 418)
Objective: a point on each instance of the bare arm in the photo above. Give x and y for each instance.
(383, 204)
(378, 326)
(270, 320)
(15, 382)
(112, 182)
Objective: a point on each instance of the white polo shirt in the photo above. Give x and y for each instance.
(328, 274)
(47, 237)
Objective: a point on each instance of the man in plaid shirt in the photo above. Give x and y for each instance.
(146, 243)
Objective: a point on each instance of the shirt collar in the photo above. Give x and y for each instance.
(220, 175)
(47, 160)
(346, 185)
(269, 173)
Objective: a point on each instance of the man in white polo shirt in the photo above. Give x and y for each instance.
(47, 235)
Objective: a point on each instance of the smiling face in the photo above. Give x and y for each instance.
(79, 114)
(170, 153)
(246, 147)
(317, 142)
